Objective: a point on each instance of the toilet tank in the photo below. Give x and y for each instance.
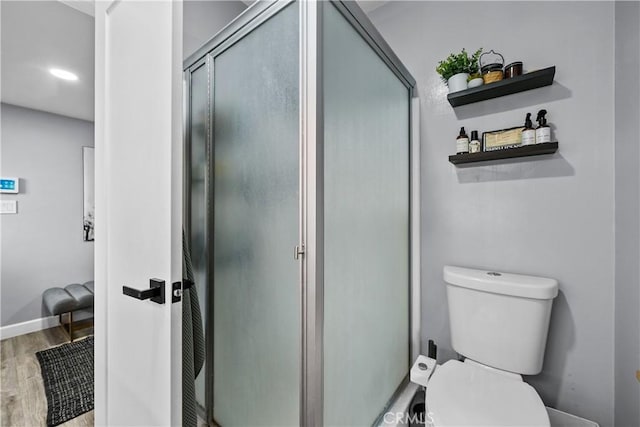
(500, 319)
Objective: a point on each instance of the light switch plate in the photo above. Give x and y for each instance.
(8, 206)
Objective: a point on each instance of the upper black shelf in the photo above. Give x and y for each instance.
(532, 80)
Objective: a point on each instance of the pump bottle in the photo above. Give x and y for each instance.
(528, 133)
(462, 142)
(474, 145)
(543, 132)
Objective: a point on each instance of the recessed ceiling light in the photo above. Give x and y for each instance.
(63, 74)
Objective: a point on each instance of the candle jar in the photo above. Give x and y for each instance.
(491, 68)
(512, 70)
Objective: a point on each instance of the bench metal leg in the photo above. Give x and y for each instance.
(71, 326)
(68, 327)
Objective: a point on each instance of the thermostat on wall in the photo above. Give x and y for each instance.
(9, 185)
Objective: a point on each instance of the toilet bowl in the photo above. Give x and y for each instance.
(499, 323)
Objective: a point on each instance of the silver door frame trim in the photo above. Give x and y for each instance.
(415, 235)
(209, 221)
(311, 214)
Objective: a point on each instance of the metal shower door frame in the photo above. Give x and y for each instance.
(311, 179)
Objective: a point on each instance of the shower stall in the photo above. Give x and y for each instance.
(299, 215)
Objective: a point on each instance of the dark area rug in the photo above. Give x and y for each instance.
(67, 372)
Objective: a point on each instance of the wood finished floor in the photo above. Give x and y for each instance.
(22, 399)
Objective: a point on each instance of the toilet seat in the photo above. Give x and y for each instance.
(463, 395)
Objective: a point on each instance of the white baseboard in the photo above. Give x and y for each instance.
(34, 325)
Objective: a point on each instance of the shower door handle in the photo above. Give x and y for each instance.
(155, 292)
(298, 251)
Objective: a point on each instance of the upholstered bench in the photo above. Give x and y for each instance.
(74, 297)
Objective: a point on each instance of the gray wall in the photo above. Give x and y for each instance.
(204, 18)
(551, 216)
(42, 245)
(627, 187)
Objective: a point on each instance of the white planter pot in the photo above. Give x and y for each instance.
(457, 82)
(475, 82)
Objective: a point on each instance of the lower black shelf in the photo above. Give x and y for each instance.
(508, 153)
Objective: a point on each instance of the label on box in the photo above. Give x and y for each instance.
(501, 139)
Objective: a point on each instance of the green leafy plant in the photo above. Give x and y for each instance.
(459, 63)
(474, 65)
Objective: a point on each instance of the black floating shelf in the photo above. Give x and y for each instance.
(532, 80)
(507, 153)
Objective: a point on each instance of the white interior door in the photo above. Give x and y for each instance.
(138, 211)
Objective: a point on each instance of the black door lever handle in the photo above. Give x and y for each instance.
(155, 292)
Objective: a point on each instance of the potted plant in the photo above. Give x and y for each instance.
(475, 80)
(455, 69)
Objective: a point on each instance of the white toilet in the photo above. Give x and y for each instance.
(499, 323)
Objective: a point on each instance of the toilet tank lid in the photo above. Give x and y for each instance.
(517, 285)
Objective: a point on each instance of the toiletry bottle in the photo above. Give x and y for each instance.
(474, 145)
(462, 142)
(528, 133)
(543, 132)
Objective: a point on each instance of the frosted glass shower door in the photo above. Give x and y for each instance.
(366, 227)
(256, 301)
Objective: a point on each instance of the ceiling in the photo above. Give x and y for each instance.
(38, 35)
